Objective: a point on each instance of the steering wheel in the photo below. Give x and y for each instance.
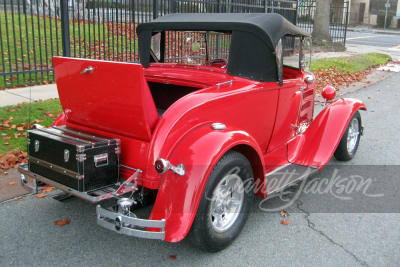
(218, 62)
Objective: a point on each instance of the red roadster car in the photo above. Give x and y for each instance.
(199, 132)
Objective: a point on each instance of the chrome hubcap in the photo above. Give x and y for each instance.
(226, 202)
(353, 135)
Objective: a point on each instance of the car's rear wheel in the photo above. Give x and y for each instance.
(225, 203)
(348, 145)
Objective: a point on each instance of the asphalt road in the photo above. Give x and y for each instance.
(338, 227)
(373, 39)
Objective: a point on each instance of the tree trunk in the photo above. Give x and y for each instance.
(321, 22)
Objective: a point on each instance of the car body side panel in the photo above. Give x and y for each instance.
(317, 144)
(249, 107)
(179, 196)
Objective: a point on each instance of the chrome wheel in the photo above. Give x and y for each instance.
(226, 202)
(225, 205)
(353, 135)
(350, 140)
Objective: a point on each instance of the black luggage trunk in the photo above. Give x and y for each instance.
(80, 160)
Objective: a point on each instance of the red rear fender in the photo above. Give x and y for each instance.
(179, 196)
(317, 144)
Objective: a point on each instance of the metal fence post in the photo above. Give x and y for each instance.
(65, 28)
(347, 19)
(155, 9)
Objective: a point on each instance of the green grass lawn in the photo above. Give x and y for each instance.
(29, 43)
(14, 122)
(350, 64)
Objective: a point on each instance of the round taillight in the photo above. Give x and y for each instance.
(161, 165)
(329, 93)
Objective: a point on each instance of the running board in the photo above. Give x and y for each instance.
(285, 176)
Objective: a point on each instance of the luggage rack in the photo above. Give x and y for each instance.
(29, 181)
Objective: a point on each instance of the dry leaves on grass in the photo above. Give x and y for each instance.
(12, 159)
(336, 77)
(62, 222)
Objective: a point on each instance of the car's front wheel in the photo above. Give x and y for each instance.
(225, 203)
(348, 145)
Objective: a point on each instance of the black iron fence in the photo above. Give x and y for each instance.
(33, 31)
(338, 19)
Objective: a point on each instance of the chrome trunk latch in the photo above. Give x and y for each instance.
(36, 145)
(88, 69)
(66, 155)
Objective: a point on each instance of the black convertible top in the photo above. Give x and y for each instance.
(259, 33)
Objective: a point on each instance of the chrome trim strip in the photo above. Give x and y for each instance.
(23, 169)
(49, 131)
(221, 83)
(64, 129)
(55, 167)
(106, 218)
(289, 172)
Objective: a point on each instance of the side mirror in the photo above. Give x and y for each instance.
(329, 93)
(309, 79)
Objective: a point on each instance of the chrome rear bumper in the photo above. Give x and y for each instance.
(29, 182)
(115, 221)
(129, 225)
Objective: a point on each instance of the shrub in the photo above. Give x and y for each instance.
(381, 20)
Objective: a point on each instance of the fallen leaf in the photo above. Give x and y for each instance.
(5, 173)
(284, 213)
(62, 222)
(48, 189)
(20, 129)
(41, 195)
(172, 257)
(6, 143)
(285, 222)
(11, 183)
(40, 108)
(7, 137)
(17, 198)
(16, 135)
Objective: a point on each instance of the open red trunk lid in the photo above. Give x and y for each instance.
(108, 96)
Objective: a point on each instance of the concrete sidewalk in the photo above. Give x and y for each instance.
(27, 94)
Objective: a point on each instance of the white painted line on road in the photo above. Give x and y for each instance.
(364, 37)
